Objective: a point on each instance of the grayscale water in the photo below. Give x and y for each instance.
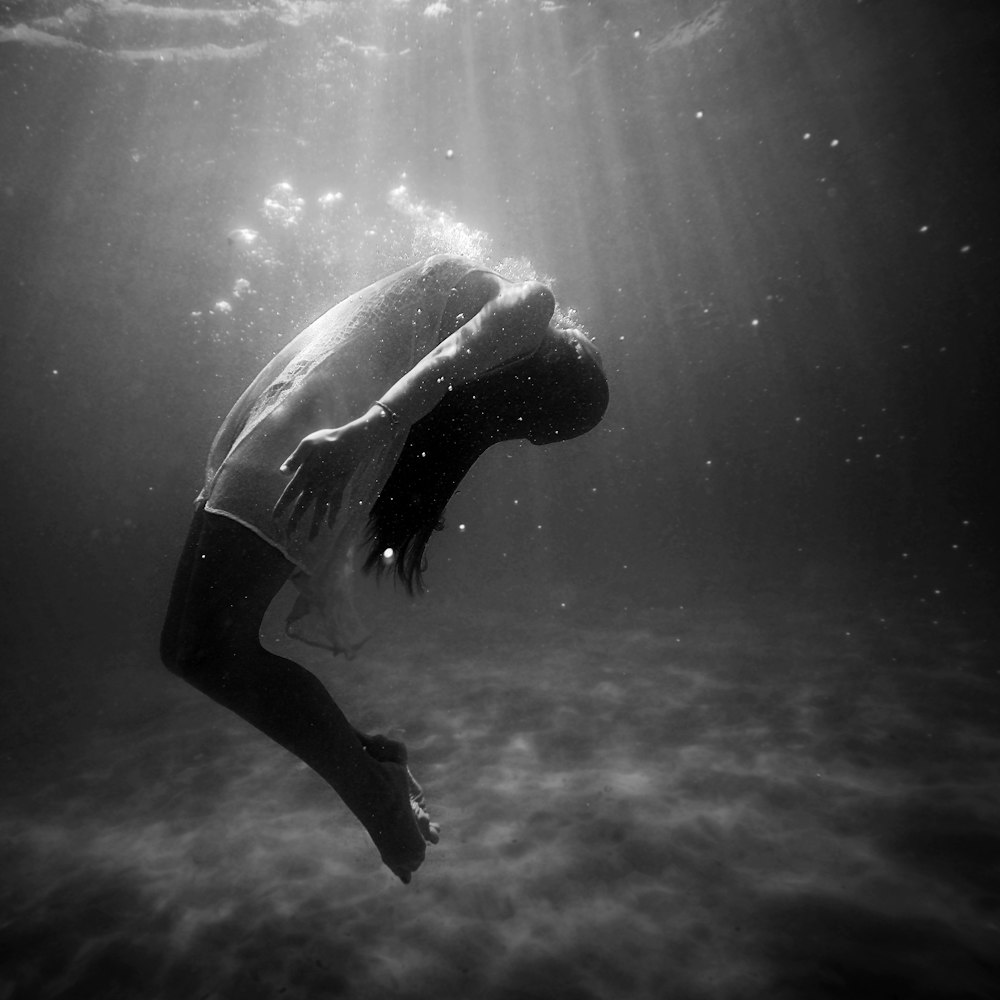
(707, 701)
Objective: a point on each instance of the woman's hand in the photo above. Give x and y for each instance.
(322, 465)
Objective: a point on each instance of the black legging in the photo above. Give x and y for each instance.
(226, 579)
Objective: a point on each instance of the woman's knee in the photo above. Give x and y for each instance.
(225, 581)
(186, 660)
(197, 658)
(168, 650)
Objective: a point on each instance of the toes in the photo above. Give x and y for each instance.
(416, 792)
(431, 832)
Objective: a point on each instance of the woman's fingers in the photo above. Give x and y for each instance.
(328, 510)
(301, 494)
(301, 506)
(292, 466)
(288, 494)
(319, 514)
(318, 479)
(294, 461)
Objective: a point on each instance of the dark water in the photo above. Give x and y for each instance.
(706, 701)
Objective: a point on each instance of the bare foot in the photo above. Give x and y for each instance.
(396, 848)
(395, 828)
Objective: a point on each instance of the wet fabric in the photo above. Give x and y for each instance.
(327, 376)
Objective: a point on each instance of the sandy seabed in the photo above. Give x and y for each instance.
(724, 801)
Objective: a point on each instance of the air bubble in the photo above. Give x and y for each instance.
(283, 206)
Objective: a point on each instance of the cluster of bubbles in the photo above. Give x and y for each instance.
(250, 254)
(438, 231)
(249, 249)
(330, 200)
(305, 254)
(282, 206)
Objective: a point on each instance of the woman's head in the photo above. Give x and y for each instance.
(557, 393)
(560, 391)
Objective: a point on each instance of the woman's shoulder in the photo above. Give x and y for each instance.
(451, 265)
(446, 259)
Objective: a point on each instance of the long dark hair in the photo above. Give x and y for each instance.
(555, 394)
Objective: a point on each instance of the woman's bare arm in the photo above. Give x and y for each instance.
(509, 326)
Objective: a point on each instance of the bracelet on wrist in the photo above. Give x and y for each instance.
(388, 411)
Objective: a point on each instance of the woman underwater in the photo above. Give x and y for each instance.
(358, 432)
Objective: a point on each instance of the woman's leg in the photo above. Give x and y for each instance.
(225, 581)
